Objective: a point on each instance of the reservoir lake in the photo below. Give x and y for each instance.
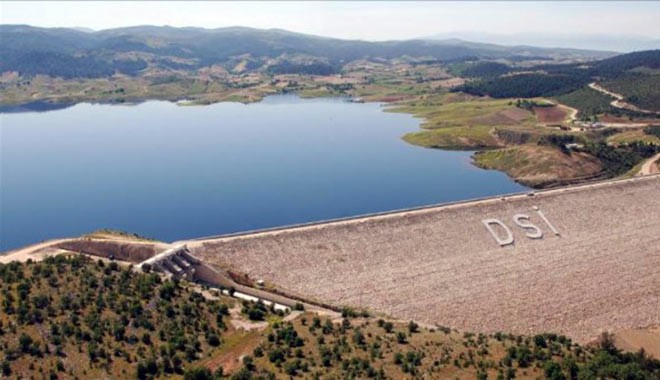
(174, 172)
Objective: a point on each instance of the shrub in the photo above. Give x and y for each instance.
(198, 373)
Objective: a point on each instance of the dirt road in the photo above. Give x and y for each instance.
(35, 252)
(572, 112)
(651, 166)
(618, 101)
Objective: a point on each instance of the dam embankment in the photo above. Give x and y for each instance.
(577, 260)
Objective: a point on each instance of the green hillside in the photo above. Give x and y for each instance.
(75, 318)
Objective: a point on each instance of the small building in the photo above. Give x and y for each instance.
(573, 146)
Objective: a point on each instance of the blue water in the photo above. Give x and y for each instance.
(172, 172)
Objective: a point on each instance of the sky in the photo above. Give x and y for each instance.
(369, 20)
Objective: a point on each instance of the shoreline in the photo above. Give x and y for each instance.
(360, 217)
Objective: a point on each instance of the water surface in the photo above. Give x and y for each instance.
(172, 172)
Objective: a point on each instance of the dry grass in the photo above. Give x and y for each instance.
(634, 339)
(633, 135)
(536, 165)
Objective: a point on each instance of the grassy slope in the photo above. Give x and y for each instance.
(589, 102)
(633, 135)
(455, 121)
(89, 320)
(111, 234)
(450, 111)
(459, 138)
(535, 165)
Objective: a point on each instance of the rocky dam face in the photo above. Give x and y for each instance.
(576, 261)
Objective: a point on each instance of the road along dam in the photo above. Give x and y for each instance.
(575, 261)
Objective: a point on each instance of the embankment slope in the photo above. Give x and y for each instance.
(441, 265)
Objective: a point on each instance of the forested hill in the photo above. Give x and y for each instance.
(502, 81)
(75, 318)
(73, 53)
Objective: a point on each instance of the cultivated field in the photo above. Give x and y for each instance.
(550, 115)
(441, 266)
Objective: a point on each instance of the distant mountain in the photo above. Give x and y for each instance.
(83, 29)
(619, 43)
(75, 53)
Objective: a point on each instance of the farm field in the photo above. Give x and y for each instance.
(455, 121)
(441, 266)
(551, 115)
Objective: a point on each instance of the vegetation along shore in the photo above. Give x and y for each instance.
(546, 117)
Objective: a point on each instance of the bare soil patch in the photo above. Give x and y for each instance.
(510, 116)
(447, 83)
(124, 250)
(607, 118)
(551, 115)
(634, 339)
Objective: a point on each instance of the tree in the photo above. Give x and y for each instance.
(25, 342)
(167, 290)
(242, 374)
(6, 368)
(198, 373)
(553, 371)
(213, 340)
(248, 362)
(358, 337)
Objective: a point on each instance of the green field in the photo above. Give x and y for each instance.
(450, 110)
(458, 138)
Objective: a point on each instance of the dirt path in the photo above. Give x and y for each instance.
(650, 166)
(572, 112)
(618, 101)
(35, 252)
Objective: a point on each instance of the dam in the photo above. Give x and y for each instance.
(577, 261)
